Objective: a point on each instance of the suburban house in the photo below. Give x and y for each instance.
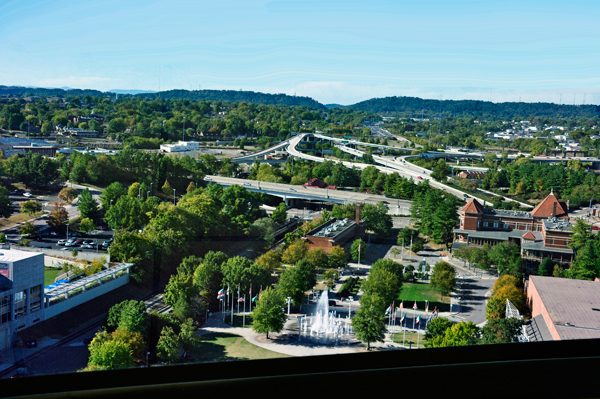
(543, 232)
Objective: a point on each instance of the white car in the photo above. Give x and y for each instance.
(27, 195)
(207, 178)
(247, 184)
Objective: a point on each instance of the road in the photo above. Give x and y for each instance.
(289, 191)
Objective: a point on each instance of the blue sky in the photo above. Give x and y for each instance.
(334, 51)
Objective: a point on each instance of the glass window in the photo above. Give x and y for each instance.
(20, 304)
(36, 298)
(496, 224)
(5, 309)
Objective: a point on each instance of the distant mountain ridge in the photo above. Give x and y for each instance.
(417, 107)
(237, 96)
(389, 106)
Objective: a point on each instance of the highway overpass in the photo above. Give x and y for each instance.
(289, 193)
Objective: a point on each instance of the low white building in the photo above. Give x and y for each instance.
(181, 146)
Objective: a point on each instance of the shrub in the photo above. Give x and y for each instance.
(75, 292)
(92, 285)
(56, 300)
(121, 273)
(107, 278)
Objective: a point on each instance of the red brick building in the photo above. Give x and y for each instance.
(340, 232)
(563, 308)
(543, 232)
(318, 183)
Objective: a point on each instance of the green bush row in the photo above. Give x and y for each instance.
(91, 285)
(75, 292)
(56, 300)
(350, 287)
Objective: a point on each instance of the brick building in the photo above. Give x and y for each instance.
(318, 183)
(563, 308)
(340, 232)
(543, 232)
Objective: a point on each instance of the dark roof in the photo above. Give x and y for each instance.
(573, 305)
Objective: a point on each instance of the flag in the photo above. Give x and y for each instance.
(241, 299)
(250, 291)
(427, 308)
(238, 290)
(402, 305)
(435, 312)
(255, 298)
(418, 319)
(415, 306)
(402, 319)
(388, 309)
(221, 294)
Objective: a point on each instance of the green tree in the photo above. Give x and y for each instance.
(6, 208)
(441, 171)
(443, 278)
(187, 336)
(317, 257)
(377, 218)
(382, 283)
(393, 267)
(128, 314)
(167, 189)
(111, 355)
(88, 207)
(269, 315)
(460, 334)
(86, 225)
(126, 214)
(369, 322)
(337, 257)
(269, 261)
(31, 207)
(111, 194)
(280, 213)
(546, 267)
(358, 245)
(436, 330)
(167, 348)
(294, 252)
(502, 331)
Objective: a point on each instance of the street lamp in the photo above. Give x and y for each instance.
(147, 354)
(173, 196)
(111, 202)
(148, 194)
(289, 301)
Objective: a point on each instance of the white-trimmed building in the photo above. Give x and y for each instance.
(181, 146)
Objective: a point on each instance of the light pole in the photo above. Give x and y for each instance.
(67, 231)
(140, 193)
(289, 301)
(148, 194)
(147, 354)
(150, 186)
(183, 130)
(111, 203)
(173, 196)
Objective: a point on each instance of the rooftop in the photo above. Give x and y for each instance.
(550, 207)
(14, 255)
(573, 305)
(557, 224)
(508, 214)
(332, 229)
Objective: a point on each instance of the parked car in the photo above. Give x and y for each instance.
(27, 195)
(247, 184)
(332, 303)
(419, 177)
(61, 242)
(595, 228)
(88, 241)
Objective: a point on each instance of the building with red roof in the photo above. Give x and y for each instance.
(543, 232)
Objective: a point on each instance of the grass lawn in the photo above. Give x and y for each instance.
(410, 337)
(50, 274)
(16, 219)
(219, 347)
(421, 292)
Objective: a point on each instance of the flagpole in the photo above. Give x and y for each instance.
(238, 300)
(418, 335)
(232, 309)
(404, 330)
(244, 314)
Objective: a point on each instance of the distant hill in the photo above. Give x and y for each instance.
(120, 91)
(236, 96)
(415, 107)
(20, 91)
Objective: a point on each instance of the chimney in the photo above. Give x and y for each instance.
(357, 214)
(554, 209)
